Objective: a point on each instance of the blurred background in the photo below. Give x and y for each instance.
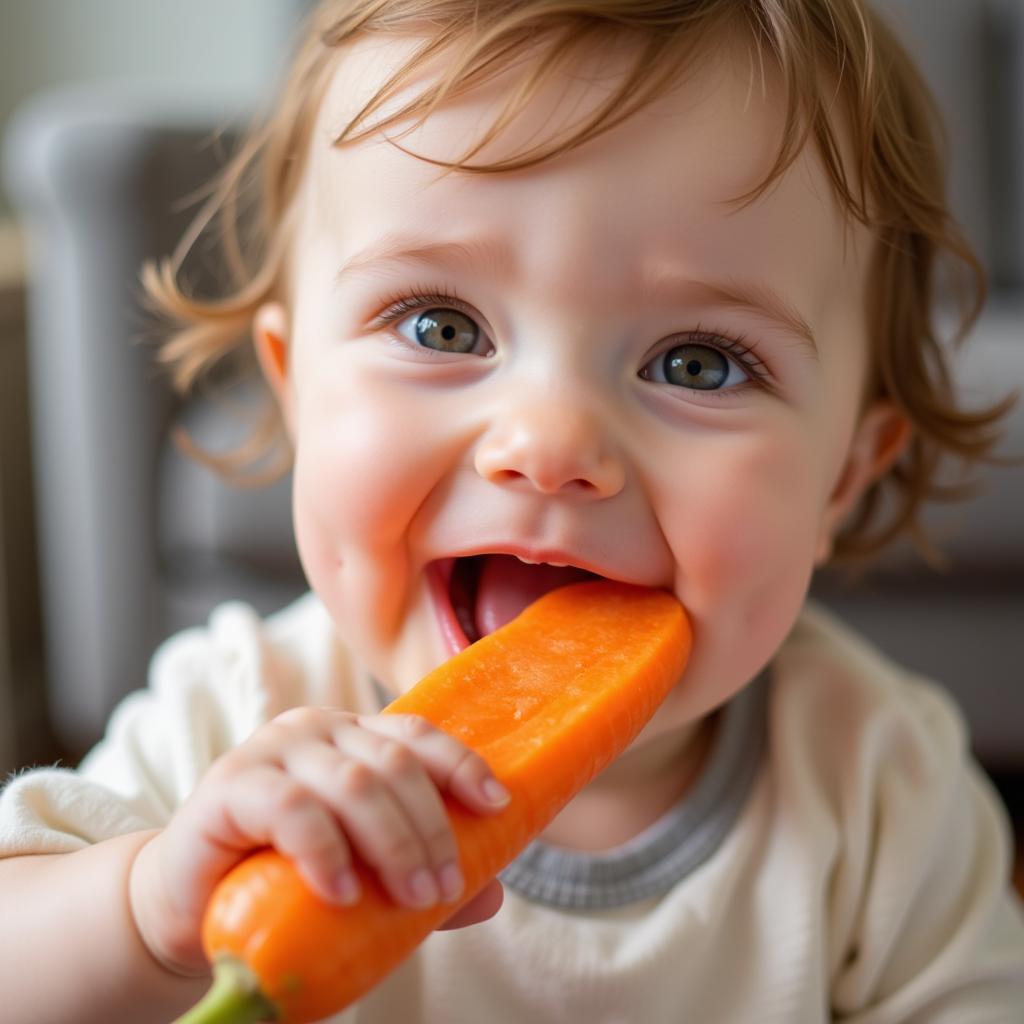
(112, 114)
(116, 110)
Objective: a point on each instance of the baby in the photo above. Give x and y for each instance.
(633, 289)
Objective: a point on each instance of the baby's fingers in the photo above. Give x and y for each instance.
(389, 810)
(452, 765)
(269, 807)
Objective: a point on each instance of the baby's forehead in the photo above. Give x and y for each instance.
(665, 176)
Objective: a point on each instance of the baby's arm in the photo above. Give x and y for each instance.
(112, 931)
(71, 951)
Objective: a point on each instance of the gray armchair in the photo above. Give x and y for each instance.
(137, 542)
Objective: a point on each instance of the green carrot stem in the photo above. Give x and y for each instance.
(234, 998)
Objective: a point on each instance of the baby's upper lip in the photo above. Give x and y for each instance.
(555, 556)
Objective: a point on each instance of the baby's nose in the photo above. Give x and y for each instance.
(551, 446)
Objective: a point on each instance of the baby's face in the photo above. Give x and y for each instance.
(594, 361)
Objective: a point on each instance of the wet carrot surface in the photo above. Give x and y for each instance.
(548, 700)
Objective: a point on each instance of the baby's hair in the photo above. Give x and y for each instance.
(824, 50)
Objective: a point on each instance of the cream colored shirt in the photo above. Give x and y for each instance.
(865, 878)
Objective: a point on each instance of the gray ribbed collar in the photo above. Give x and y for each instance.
(651, 863)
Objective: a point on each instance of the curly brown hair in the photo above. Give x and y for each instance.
(825, 50)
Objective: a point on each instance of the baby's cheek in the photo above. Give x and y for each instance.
(351, 471)
(346, 500)
(744, 542)
(742, 570)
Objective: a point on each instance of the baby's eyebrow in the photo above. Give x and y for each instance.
(490, 254)
(498, 258)
(750, 296)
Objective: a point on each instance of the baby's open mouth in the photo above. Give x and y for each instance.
(480, 593)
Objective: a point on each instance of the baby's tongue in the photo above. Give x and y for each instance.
(507, 586)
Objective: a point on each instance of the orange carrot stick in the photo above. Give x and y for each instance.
(548, 700)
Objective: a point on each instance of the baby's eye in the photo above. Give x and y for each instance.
(441, 329)
(697, 367)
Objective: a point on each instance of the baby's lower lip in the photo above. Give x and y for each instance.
(438, 581)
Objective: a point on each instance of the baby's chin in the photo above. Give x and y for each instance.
(674, 717)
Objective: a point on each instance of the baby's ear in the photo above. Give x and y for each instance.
(271, 338)
(881, 436)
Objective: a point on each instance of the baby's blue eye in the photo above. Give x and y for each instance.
(698, 367)
(444, 330)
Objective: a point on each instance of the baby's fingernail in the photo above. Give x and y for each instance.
(495, 792)
(451, 881)
(346, 885)
(421, 888)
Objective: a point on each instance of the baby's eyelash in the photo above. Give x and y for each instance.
(400, 305)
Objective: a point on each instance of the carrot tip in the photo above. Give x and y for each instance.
(234, 998)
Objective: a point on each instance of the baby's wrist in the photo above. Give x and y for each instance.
(169, 941)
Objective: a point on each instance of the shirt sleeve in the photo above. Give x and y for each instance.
(208, 688)
(935, 932)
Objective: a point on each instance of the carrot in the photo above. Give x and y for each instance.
(548, 700)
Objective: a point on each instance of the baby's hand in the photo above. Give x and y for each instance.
(319, 785)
